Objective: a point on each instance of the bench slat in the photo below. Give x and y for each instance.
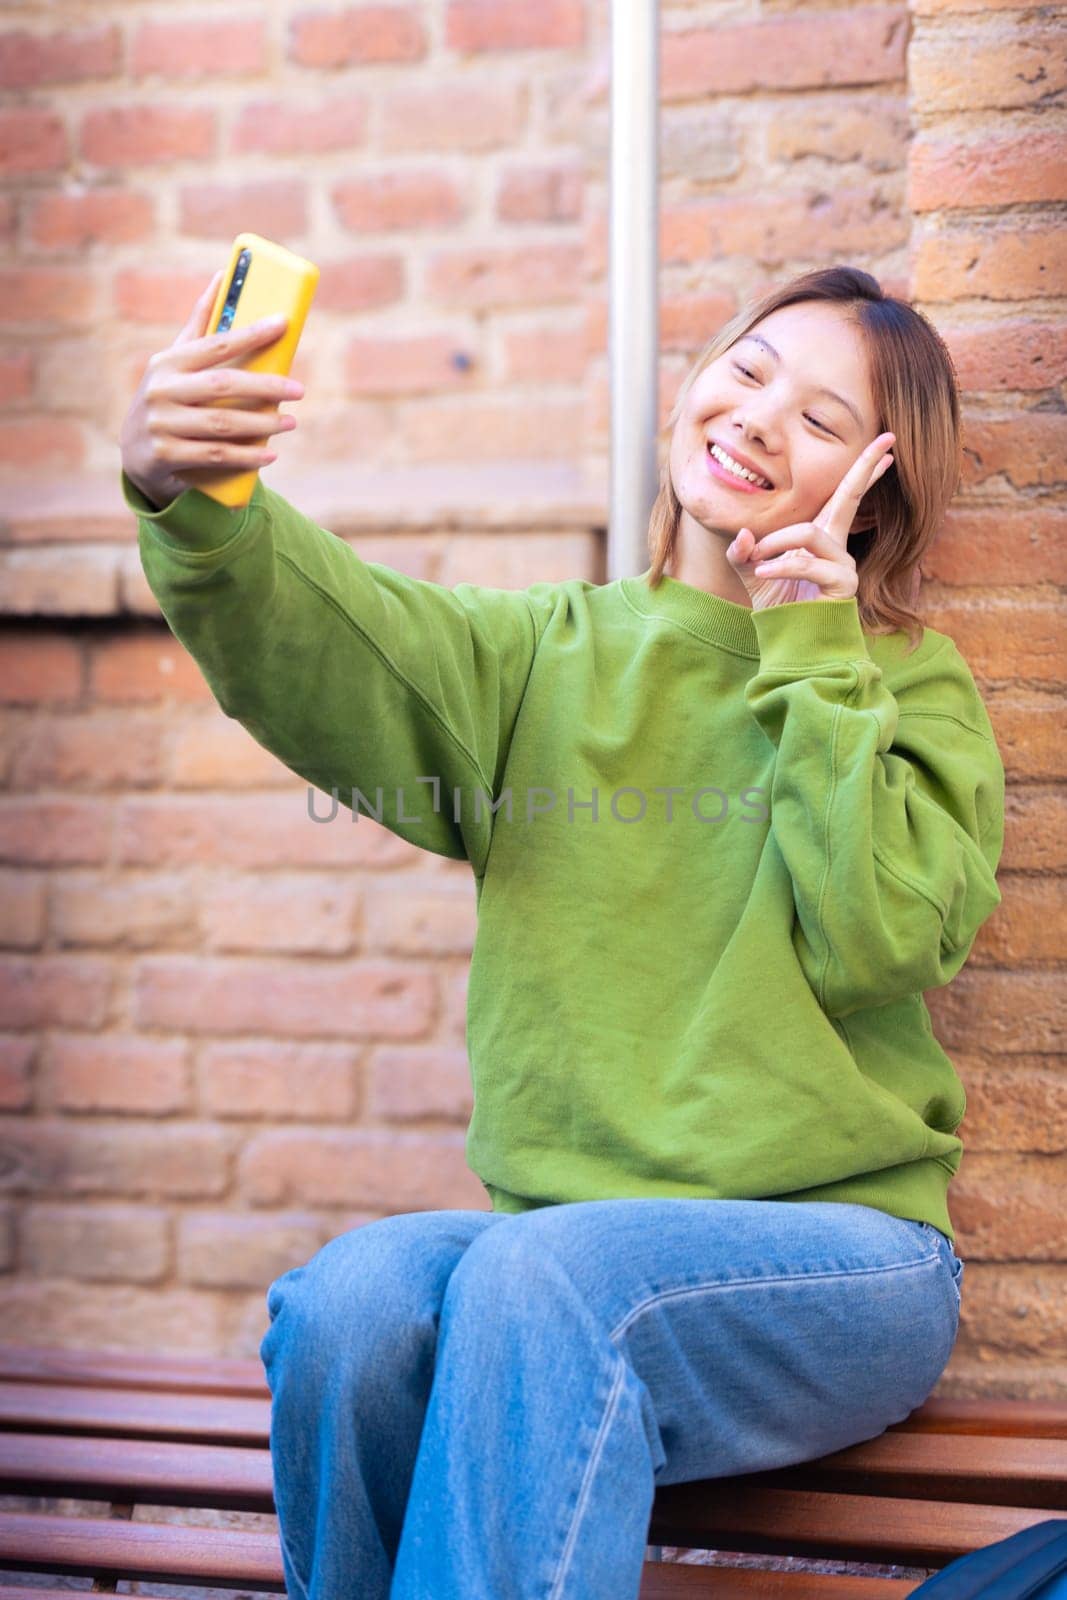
(735, 1516)
(154, 1551)
(1015, 1472)
(933, 1466)
(70, 1408)
(135, 1369)
(671, 1580)
(665, 1581)
(143, 1471)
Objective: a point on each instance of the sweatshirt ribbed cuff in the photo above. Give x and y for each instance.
(807, 633)
(192, 521)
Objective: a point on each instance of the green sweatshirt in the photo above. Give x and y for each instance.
(718, 854)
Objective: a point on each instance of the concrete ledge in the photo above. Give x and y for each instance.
(68, 546)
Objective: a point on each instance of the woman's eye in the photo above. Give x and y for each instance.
(815, 420)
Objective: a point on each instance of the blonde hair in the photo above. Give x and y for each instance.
(916, 397)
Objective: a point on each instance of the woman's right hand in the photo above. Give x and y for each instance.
(174, 424)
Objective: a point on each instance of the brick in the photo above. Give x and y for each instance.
(293, 127)
(146, 135)
(288, 913)
(143, 667)
(22, 908)
(456, 114)
(1031, 733)
(449, 430)
(341, 999)
(996, 545)
(31, 60)
(421, 918)
(392, 201)
(54, 991)
(1030, 923)
(207, 210)
(175, 1161)
(46, 832)
(478, 279)
(51, 295)
(1006, 639)
(686, 322)
(386, 1170)
(211, 751)
(774, 228)
(217, 1250)
(118, 1074)
(202, 47)
(517, 562)
(946, 173)
(475, 27)
(32, 139)
(17, 1058)
(408, 1082)
(415, 365)
(73, 222)
(1010, 1205)
(695, 148)
(39, 669)
(1018, 1104)
(95, 1244)
(999, 263)
(540, 194)
(101, 751)
(357, 36)
(95, 909)
(1035, 841)
(155, 297)
(1017, 450)
(79, 583)
(549, 352)
(39, 444)
(873, 132)
(117, 1316)
(362, 283)
(1010, 353)
(817, 49)
(454, 987)
(1005, 1012)
(261, 831)
(995, 65)
(273, 1078)
(16, 377)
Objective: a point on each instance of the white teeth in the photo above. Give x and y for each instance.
(736, 468)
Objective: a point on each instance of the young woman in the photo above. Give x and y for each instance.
(727, 821)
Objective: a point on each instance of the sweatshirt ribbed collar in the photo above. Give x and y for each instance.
(709, 616)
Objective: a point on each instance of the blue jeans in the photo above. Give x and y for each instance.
(469, 1405)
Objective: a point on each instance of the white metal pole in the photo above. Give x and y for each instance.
(633, 320)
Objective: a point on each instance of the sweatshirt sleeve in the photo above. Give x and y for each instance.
(356, 676)
(888, 808)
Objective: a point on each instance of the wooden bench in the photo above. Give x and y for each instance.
(126, 1430)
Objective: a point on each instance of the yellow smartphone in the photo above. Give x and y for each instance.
(262, 278)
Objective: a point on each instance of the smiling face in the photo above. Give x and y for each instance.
(768, 401)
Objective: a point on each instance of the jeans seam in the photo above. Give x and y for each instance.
(584, 1491)
(760, 1282)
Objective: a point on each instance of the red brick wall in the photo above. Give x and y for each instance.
(219, 1050)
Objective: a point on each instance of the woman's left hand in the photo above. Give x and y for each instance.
(810, 560)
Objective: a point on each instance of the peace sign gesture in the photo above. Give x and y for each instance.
(811, 560)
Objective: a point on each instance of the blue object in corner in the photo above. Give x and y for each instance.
(1030, 1565)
